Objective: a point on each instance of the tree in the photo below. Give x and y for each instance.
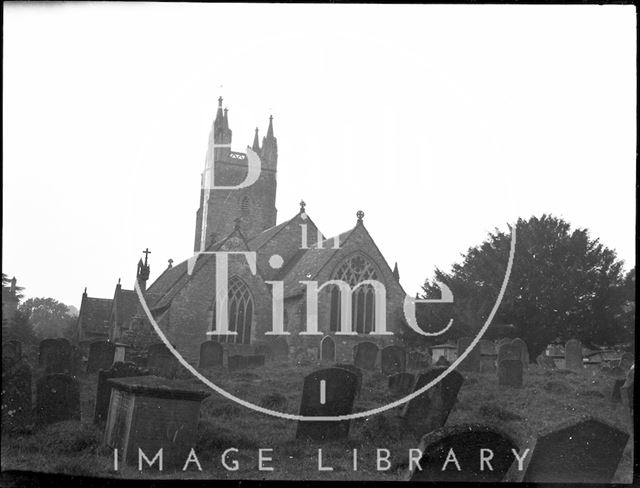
(20, 329)
(50, 318)
(563, 284)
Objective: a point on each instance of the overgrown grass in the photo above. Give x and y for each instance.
(547, 398)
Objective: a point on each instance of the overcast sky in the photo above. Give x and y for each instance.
(440, 122)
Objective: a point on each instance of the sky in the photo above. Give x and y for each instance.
(440, 122)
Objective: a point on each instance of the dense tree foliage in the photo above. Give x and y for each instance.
(49, 317)
(563, 284)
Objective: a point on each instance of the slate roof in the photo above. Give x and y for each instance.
(94, 314)
(127, 305)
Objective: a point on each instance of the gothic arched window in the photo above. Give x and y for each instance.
(354, 270)
(244, 206)
(240, 309)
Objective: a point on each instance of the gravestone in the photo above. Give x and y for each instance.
(393, 359)
(237, 362)
(466, 441)
(120, 353)
(16, 396)
(615, 391)
(152, 413)
(524, 351)
(57, 399)
(255, 360)
(162, 361)
(327, 392)
(504, 340)
(584, 451)
(101, 356)
(472, 361)
(487, 348)
(365, 355)
(401, 382)
(626, 361)
(430, 410)
(327, 349)
(626, 392)
(103, 391)
(211, 354)
(510, 373)
(75, 361)
(55, 356)
(573, 355)
(508, 350)
(354, 369)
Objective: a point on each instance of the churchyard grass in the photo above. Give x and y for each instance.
(547, 398)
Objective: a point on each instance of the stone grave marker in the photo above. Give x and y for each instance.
(626, 392)
(55, 355)
(430, 410)
(16, 396)
(152, 413)
(57, 399)
(357, 371)
(103, 391)
(120, 353)
(237, 362)
(504, 340)
(211, 354)
(255, 361)
(393, 359)
(615, 391)
(365, 355)
(626, 361)
(327, 349)
(524, 351)
(442, 362)
(488, 356)
(401, 382)
(573, 355)
(472, 361)
(162, 361)
(510, 373)
(101, 356)
(508, 350)
(327, 392)
(586, 450)
(466, 441)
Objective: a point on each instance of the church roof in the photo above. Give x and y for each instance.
(94, 314)
(127, 305)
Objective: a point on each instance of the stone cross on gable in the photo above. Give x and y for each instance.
(146, 253)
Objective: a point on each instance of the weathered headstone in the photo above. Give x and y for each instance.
(255, 360)
(524, 351)
(57, 399)
(103, 391)
(508, 350)
(354, 369)
(430, 410)
(472, 361)
(55, 355)
(573, 355)
(327, 392)
(211, 354)
(467, 442)
(393, 359)
(510, 373)
(237, 362)
(365, 355)
(120, 354)
(401, 382)
(162, 361)
(584, 451)
(626, 361)
(626, 392)
(327, 349)
(504, 340)
(16, 396)
(100, 356)
(442, 362)
(615, 391)
(152, 413)
(487, 348)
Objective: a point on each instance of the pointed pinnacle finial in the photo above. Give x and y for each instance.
(360, 215)
(302, 206)
(118, 280)
(85, 290)
(170, 263)
(219, 101)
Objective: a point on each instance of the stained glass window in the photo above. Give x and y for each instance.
(354, 270)
(240, 306)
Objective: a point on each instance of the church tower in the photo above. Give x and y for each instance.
(254, 205)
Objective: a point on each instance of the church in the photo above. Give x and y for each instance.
(182, 299)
